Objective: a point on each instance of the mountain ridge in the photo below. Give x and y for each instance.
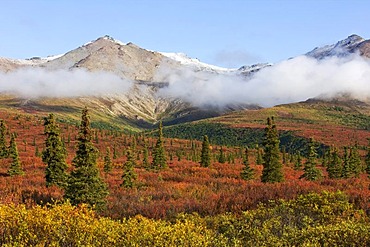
(140, 67)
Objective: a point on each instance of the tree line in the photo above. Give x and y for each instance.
(85, 185)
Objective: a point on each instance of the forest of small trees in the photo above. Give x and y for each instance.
(123, 175)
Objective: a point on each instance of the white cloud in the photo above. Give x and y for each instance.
(289, 81)
(38, 82)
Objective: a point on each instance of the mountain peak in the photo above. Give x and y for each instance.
(340, 49)
(351, 40)
(105, 38)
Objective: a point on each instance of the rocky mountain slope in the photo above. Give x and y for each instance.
(352, 44)
(142, 105)
(131, 63)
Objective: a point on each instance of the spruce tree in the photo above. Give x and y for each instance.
(284, 155)
(107, 161)
(247, 173)
(3, 147)
(298, 162)
(54, 155)
(129, 176)
(159, 156)
(346, 171)
(85, 184)
(146, 158)
(259, 158)
(272, 167)
(205, 157)
(15, 166)
(311, 172)
(334, 165)
(355, 162)
(221, 157)
(367, 159)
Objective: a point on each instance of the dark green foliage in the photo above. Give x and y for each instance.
(352, 166)
(54, 155)
(107, 161)
(311, 172)
(146, 157)
(3, 147)
(85, 184)
(247, 173)
(223, 135)
(221, 156)
(178, 155)
(284, 155)
(355, 162)
(114, 151)
(298, 161)
(159, 156)
(272, 167)
(37, 152)
(334, 166)
(129, 176)
(346, 171)
(15, 166)
(259, 156)
(367, 159)
(205, 157)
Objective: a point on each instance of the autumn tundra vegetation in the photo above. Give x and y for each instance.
(70, 185)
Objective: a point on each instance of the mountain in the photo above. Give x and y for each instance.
(142, 105)
(352, 44)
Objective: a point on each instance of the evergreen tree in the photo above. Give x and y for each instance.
(354, 161)
(146, 157)
(247, 172)
(159, 156)
(221, 157)
(54, 155)
(15, 166)
(311, 172)
(272, 167)
(259, 158)
(334, 165)
(346, 171)
(205, 157)
(298, 162)
(114, 151)
(284, 155)
(367, 159)
(129, 175)
(3, 147)
(107, 161)
(37, 152)
(85, 184)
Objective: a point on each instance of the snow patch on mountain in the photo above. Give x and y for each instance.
(195, 63)
(341, 48)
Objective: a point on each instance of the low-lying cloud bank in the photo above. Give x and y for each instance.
(289, 81)
(39, 82)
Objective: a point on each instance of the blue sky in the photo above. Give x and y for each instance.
(227, 33)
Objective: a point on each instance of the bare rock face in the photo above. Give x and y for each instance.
(364, 48)
(106, 54)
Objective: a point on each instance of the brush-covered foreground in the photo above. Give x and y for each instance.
(183, 204)
(325, 219)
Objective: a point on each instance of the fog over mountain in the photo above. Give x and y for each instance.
(141, 84)
(292, 80)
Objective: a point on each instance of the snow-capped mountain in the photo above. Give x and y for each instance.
(141, 67)
(134, 64)
(351, 44)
